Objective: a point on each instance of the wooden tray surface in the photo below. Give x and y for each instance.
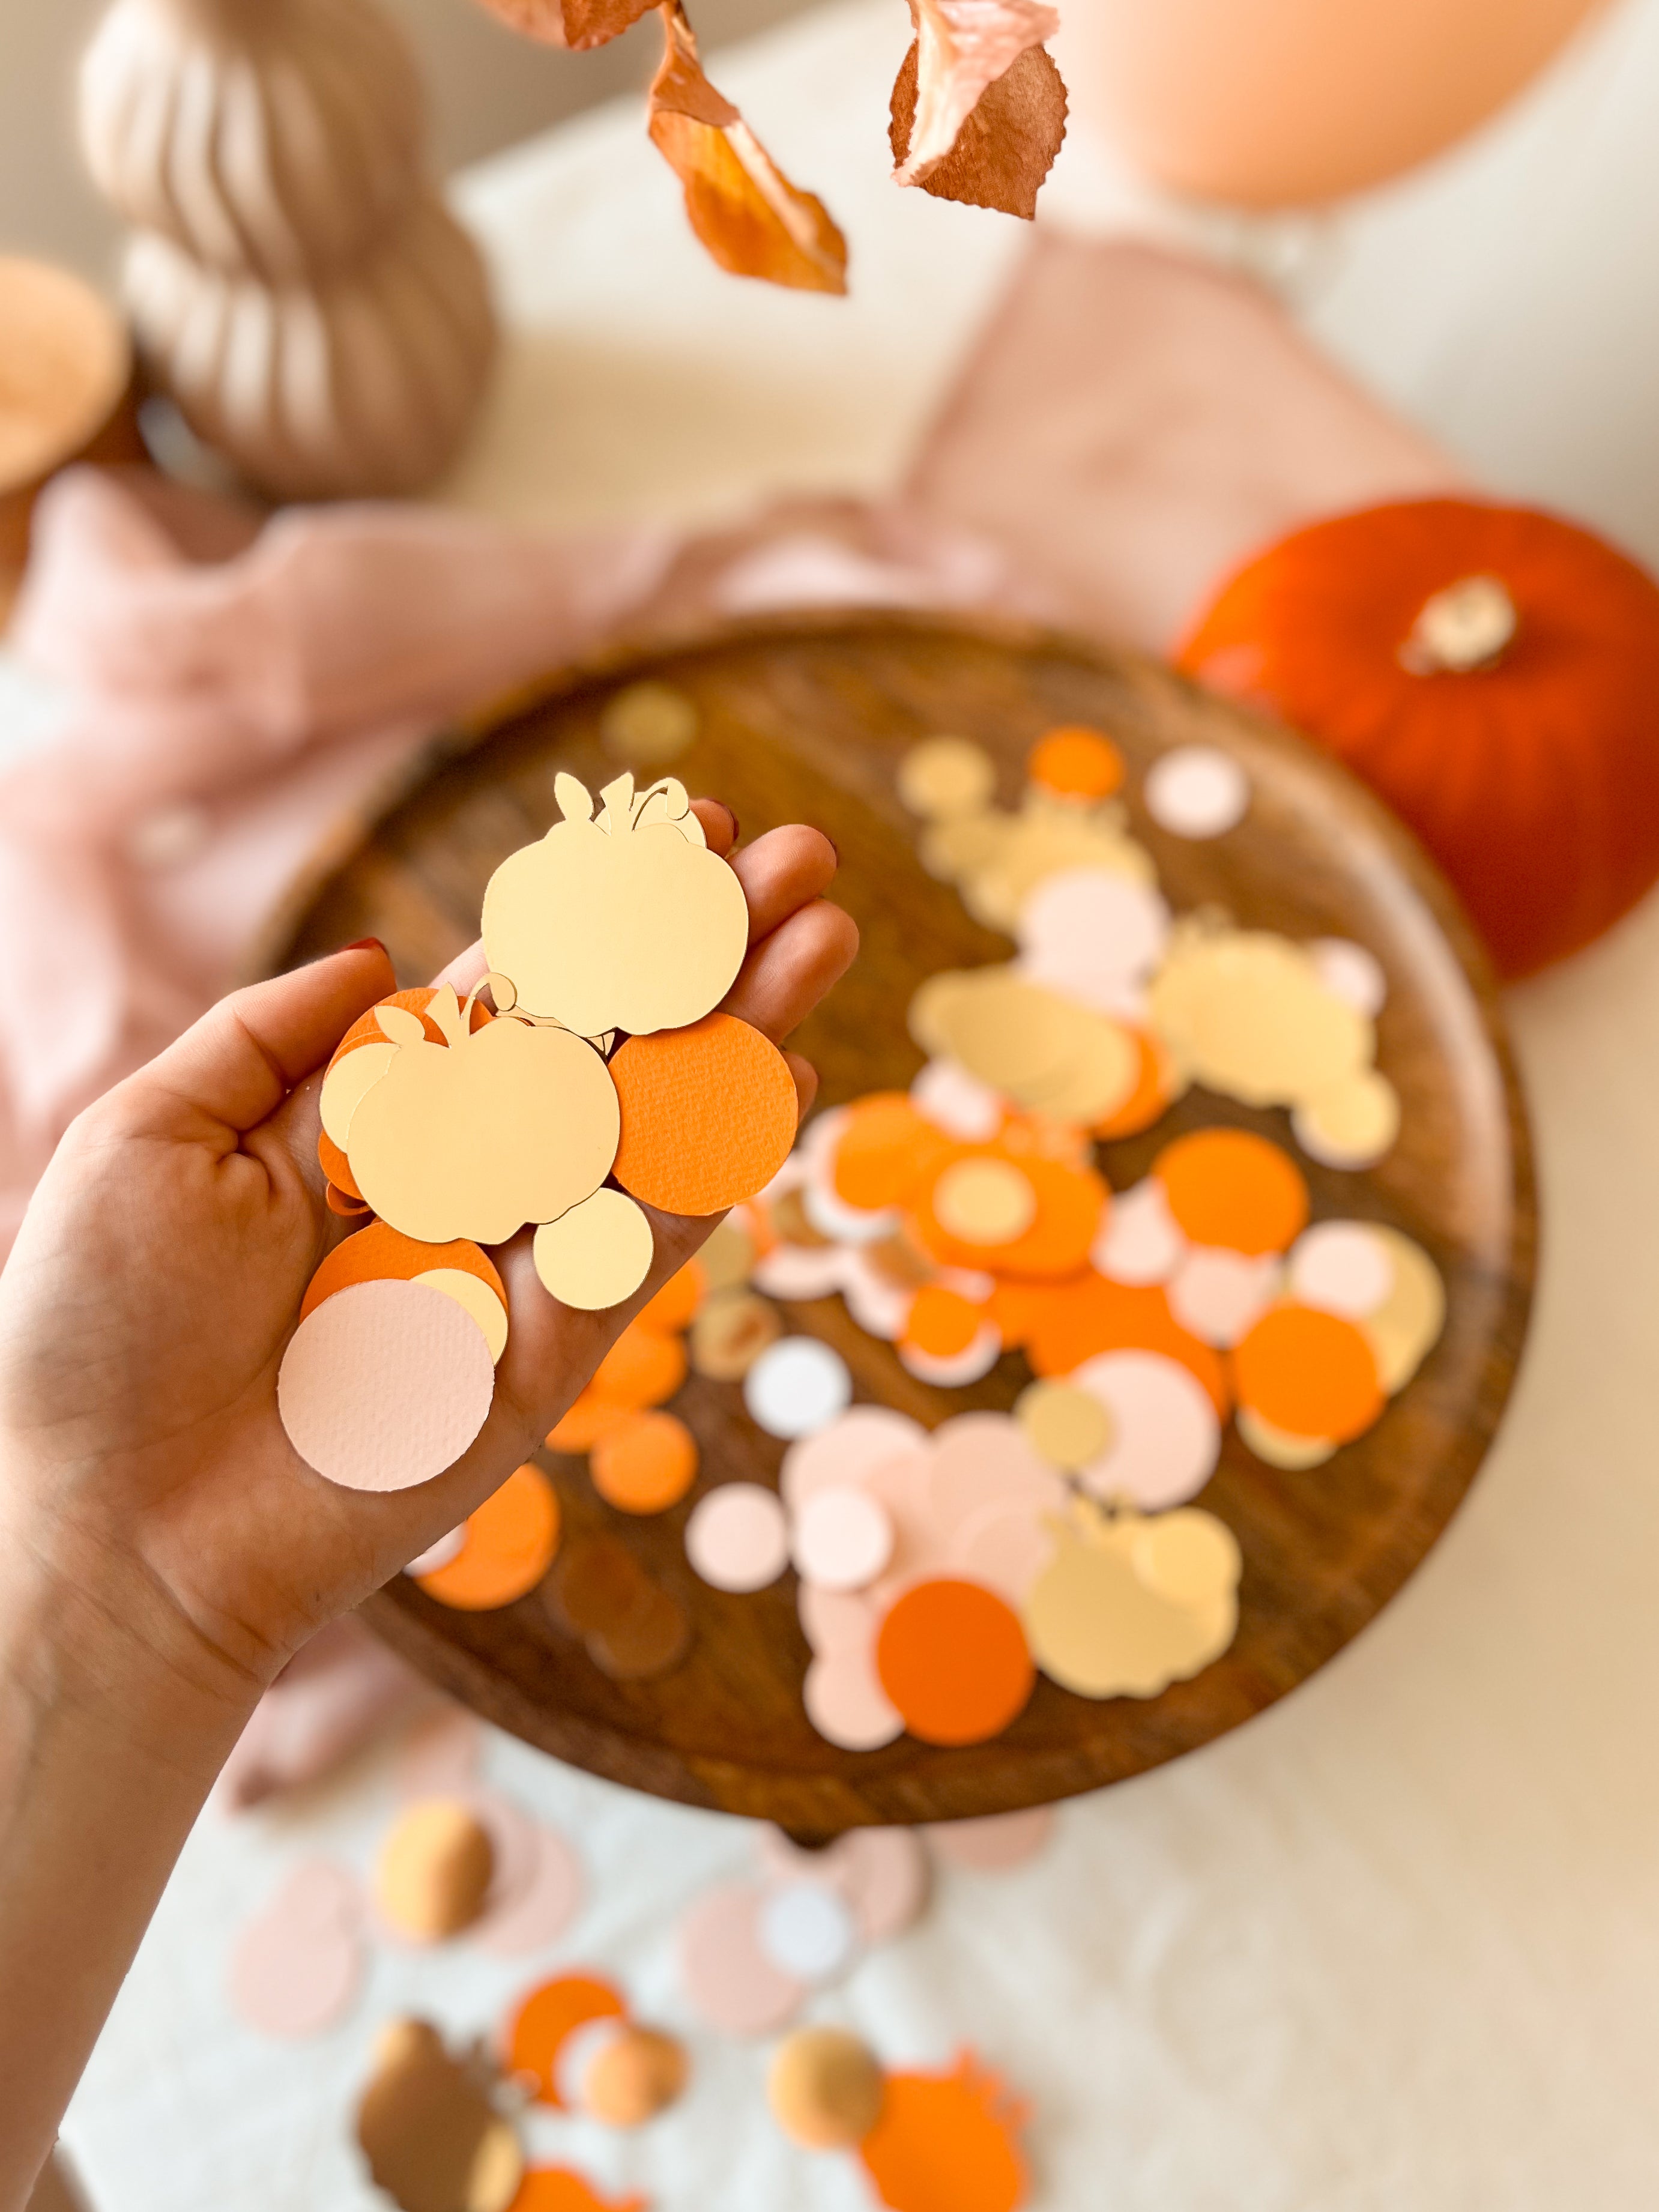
(804, 718)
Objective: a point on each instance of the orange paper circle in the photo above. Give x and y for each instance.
(946, 2143)
(675, 1306)
(379, 1252)
(953, 1659)
(337, 1167)
(1149, 1097)
(1076, 761)
(709, 1115)
(942, 1322)
(1230, 1188)
(510, 1544)
(644, 1462)
(1310, 1373)
(885, 1150)
(1069, 1202)
(544, 2022)
(1063, 1324)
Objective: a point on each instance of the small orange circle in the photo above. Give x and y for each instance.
(709, 1115)
(675, 1306)
(642, 1368)
(1310, 1373)
(953, 1658)
(941, 1323)
(1075, 761)
(1231, 1187)
(511, 1541)
(644, 1463)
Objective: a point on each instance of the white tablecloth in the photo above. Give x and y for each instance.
(1396, 1944)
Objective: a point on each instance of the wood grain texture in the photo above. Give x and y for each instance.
(806, 718)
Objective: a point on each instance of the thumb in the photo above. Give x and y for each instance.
(238, 1063)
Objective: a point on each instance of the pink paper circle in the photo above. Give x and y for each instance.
(886, 1879)
(542, 1909)
(297, 1966)
(727, 1977)
(842, 1538)
(1005, 1547)
(1342, 1265)
(845, 1451)
(1166, 1437)
(1217, 1296)
(737, 1538)
(385, 1385)
(847, 1704)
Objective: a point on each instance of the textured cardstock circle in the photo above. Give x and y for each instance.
(385, 1385)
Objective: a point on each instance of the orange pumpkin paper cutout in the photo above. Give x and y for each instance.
(947, 2142)
(623, 923)
(1515, 729)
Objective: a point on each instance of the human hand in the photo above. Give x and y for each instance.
(156, 1279)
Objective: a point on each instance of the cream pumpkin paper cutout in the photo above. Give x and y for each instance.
(623, 923)
(515, 1122)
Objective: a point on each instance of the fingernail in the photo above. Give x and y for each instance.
(365, 945)
(737, 826)
(831, 843)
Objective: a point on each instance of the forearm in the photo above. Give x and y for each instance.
(110, 1738)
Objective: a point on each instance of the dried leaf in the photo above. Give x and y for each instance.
(967, 122)
(575, 23)
(751, 218)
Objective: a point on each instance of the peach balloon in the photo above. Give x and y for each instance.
(1285, 103)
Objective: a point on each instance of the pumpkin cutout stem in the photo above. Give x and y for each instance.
(1468, 626)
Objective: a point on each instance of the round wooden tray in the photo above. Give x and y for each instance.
(805, 717)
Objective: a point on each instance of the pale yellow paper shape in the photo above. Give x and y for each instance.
(1246, 1013)
(511, 1123)
(946, 778)
(1044, 1051)
(1277, 1447)
(597, 1255)
(472, 1293)
(1186, 1557)
(1404, 1329)
(1351, 1124)
(620, 927)
(346, 1085)
(1095, 1628)
(1067, 1427)
(984, 1201)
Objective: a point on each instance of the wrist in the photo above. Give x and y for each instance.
(92, 1642)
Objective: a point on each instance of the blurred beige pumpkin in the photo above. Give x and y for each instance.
(1285, 103)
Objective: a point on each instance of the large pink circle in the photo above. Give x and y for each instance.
(385, 1385)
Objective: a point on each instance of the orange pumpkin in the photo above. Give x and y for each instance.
(1492, 673)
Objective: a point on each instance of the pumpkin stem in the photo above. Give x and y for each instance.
(1469, 625)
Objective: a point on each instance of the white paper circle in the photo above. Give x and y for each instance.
(842, 1538)
(1166, 1438)
(1217, 1295)
(385, 1385)
(737, 1538)
(797, 1386)
(1197, 790)
(808, 1931)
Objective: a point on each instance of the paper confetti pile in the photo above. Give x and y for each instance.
(441, 2128)
(599, 1082)
(969, 1220)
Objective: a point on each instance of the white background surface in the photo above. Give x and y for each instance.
(1396, 1944)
